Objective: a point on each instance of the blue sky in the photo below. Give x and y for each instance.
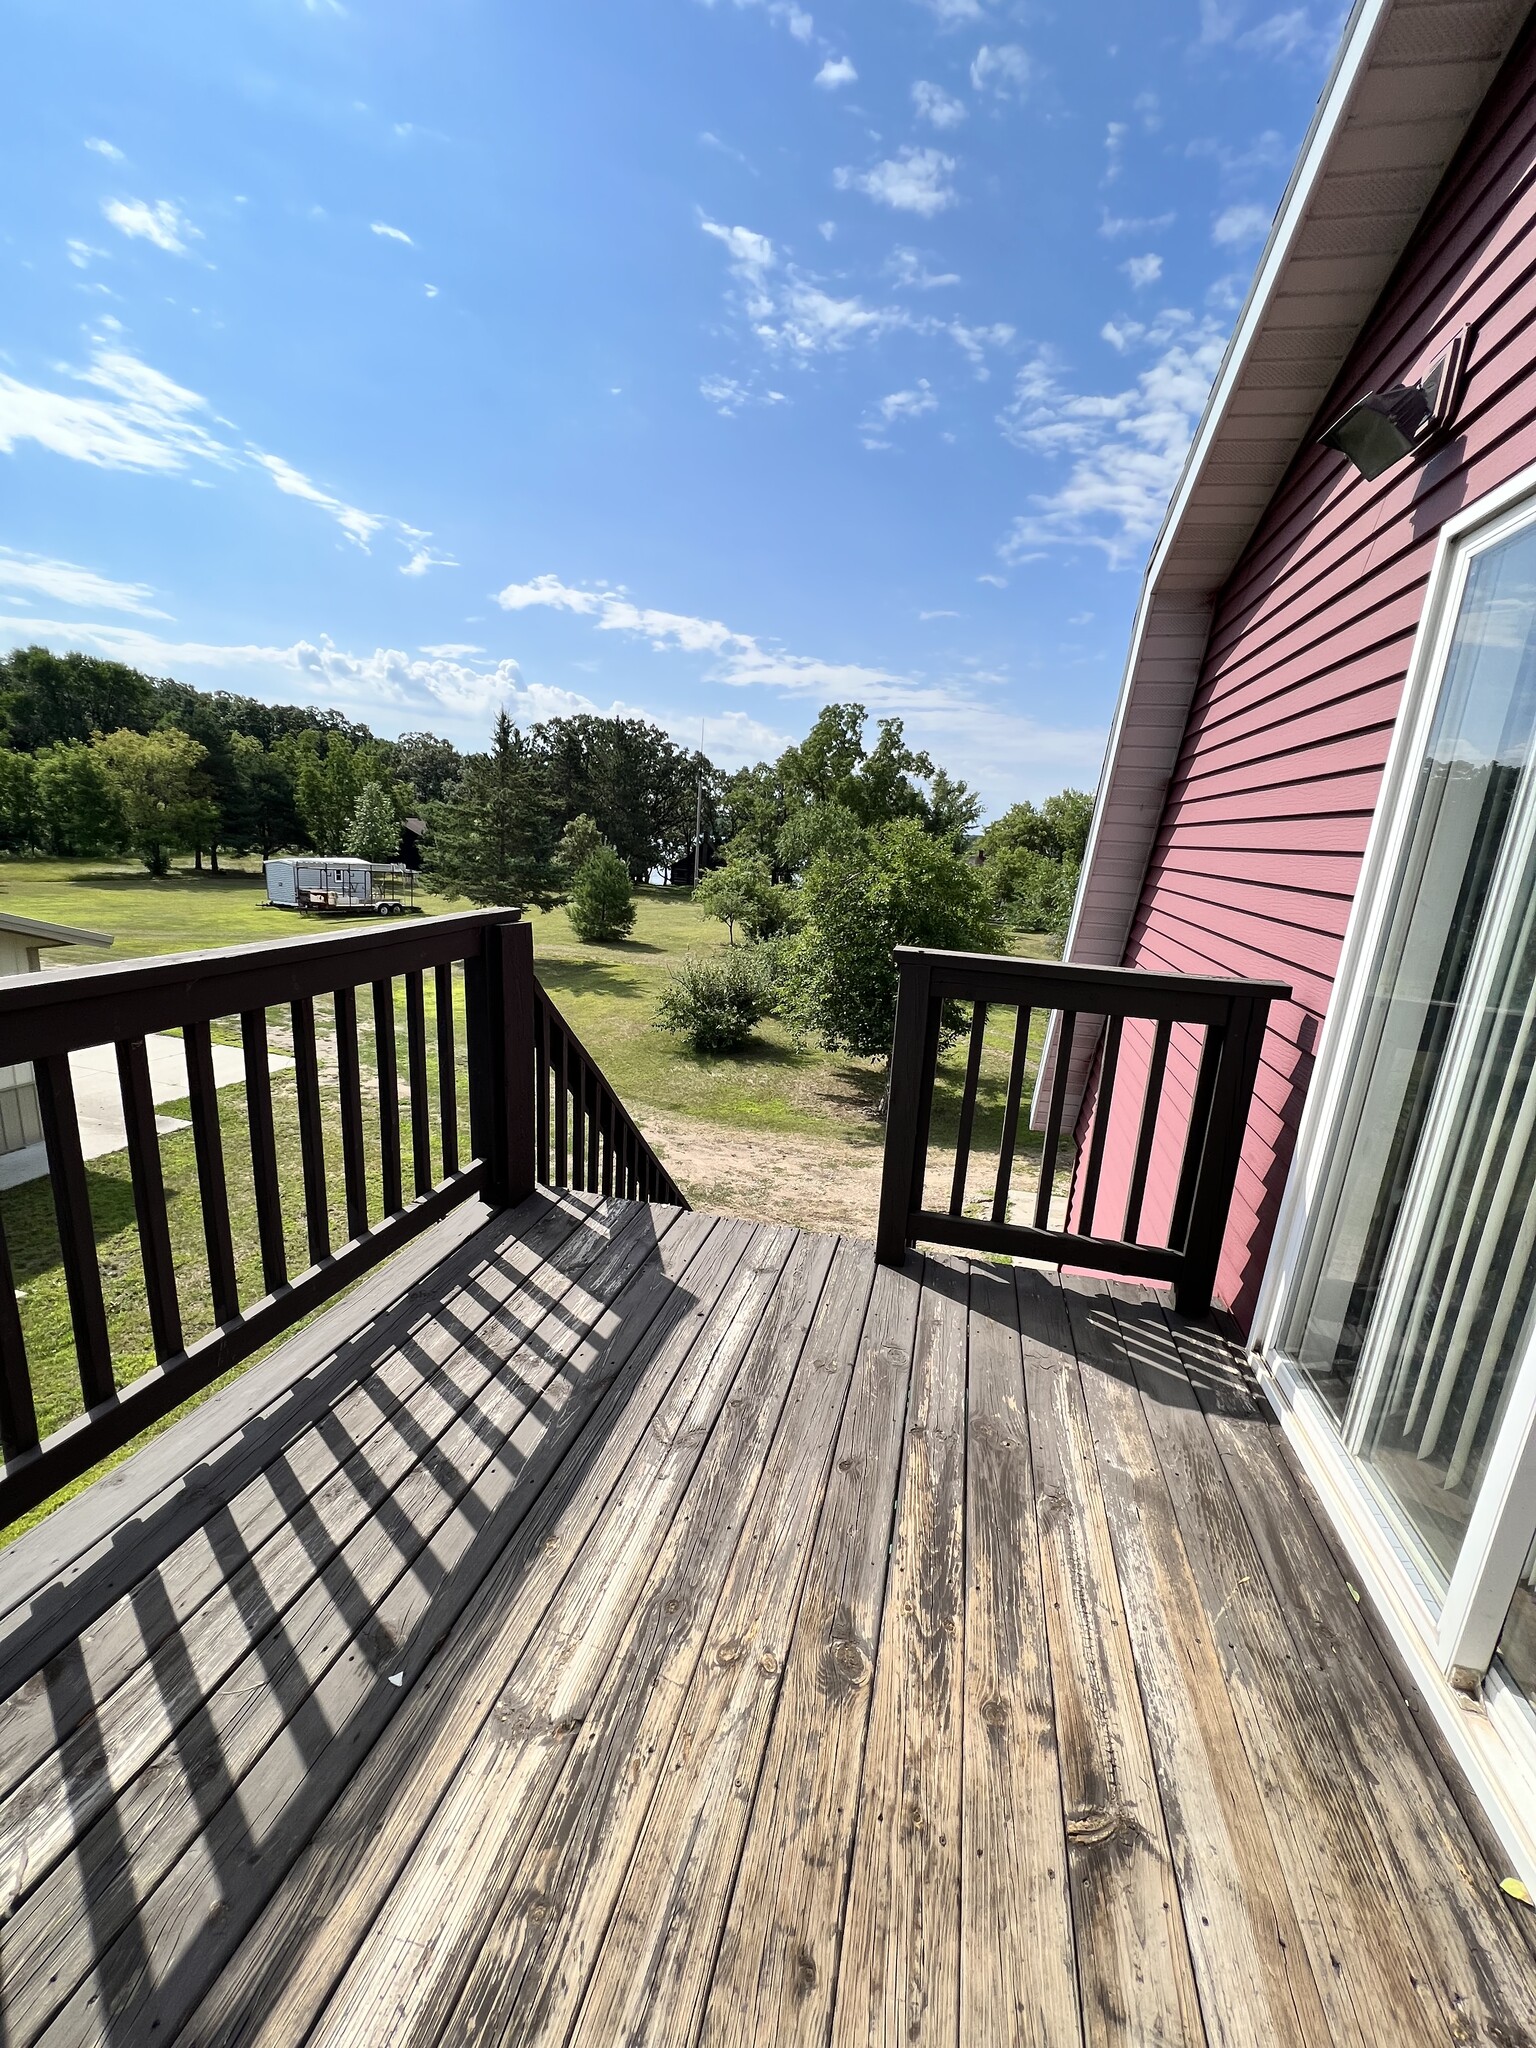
(707, 360)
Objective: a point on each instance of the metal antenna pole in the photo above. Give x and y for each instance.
(698, 808)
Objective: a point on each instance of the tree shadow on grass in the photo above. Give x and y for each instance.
(179, 883)
(586, 978)
(31, 1224)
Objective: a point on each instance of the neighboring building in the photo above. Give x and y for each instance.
(23, 940)
(1323, 769)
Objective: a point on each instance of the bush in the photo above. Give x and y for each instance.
(602, 903)
(896, 887)
(716, 1004)
(1030, 891)
(743, 892)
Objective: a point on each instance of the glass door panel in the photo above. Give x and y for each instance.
(1466, 795)
(1517, 1642)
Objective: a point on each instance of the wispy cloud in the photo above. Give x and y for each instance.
(1293, 34)
(955, 13)
(1143, 270)
(102, 147)
(912, 181)
(1112, 225)
(133, 417)
(382, 227)
(729, 396)
(910, 270)
(1003, 69)
(934, 105)
(423, 558)
(67, 583)
(1238, 227)
(787, 13)
(910, 404)
(835, 72)
(1125, 447)
(162, 223)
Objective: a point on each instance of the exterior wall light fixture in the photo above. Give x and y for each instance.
(1384, 426)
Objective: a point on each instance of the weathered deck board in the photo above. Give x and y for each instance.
(787, 1651)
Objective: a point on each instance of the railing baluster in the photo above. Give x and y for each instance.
(541, 1087)
(354, 1163)
(561, 1178)
(1049, 1149)
(258, 1109)
(386, 1063)
(1197, 1136)
(149, 1197)
(1151, 1101)
(208, 1144)
(306, 1073)
(578, 1121)
(77, 1233)
(18, 1416)
(594, 1133)
(608, 1135)
(968, 1108)
(1016, 1066)
(447, 1069)
(416, 1082)
(1100, 1124)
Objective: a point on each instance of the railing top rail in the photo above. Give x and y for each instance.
(1133, 980)
(62, 1012)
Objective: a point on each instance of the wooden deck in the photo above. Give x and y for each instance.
(659, 1628)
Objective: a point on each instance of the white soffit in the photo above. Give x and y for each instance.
(1408, 77)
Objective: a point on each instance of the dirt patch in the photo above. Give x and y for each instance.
(828, 1184)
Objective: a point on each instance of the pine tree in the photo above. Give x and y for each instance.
(493, 839)
(374, 833)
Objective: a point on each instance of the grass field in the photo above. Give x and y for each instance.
(708, 1117)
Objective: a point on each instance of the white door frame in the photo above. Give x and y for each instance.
(1494, 1737)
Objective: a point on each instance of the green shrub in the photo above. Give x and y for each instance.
(743, 892)
(715, 1004)
(602, 902)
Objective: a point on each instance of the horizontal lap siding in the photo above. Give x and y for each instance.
(1257, 858)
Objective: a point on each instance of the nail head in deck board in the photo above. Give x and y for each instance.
(277, 1983)
(777, 1965)
(1132, 1960)
(898, 1973)
(1333, 1861)
(658, 1942)
(1018, 1978)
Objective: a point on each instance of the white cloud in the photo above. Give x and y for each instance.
(909, 270)
(102, 147)
(835, 72)
(430, 290)
(787, 13)
(67, 583)
(826, 229)
(162, 223)
(925, 616)
(1125, 448)
(1292, 34)
(729, 396)
(424, 558)
(359, 526)
(81, 254)
(1112, 226)
(453, 650)
(1003, 69)
(1143, 270)
(1240, 226)
(907, 405)
(382, 227)
(912, 181)
(953, 12)
(939, 108)
(145, 422)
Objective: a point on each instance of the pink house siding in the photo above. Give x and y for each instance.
(1258, 853)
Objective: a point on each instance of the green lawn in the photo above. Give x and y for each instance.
(608, 992)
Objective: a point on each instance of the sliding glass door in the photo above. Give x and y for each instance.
(1413, 1307)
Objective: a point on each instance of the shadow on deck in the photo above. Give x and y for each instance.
(658, 1627)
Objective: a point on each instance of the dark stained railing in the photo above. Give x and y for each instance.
(585, 1138)
(493, 1025)
(1224, 1022)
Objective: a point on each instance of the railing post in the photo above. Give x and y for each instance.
(508, 1056)
(1222, 1148)
(906, 1125)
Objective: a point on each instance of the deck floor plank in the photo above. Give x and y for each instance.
(624, 1629)
(1018, 1971)
(898, 1975)
(654, 1969)
(787, 1650)
(353, 1618)
(1250, 1958)
(776, 1968)
(291, 1962)
(1135, 1977)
